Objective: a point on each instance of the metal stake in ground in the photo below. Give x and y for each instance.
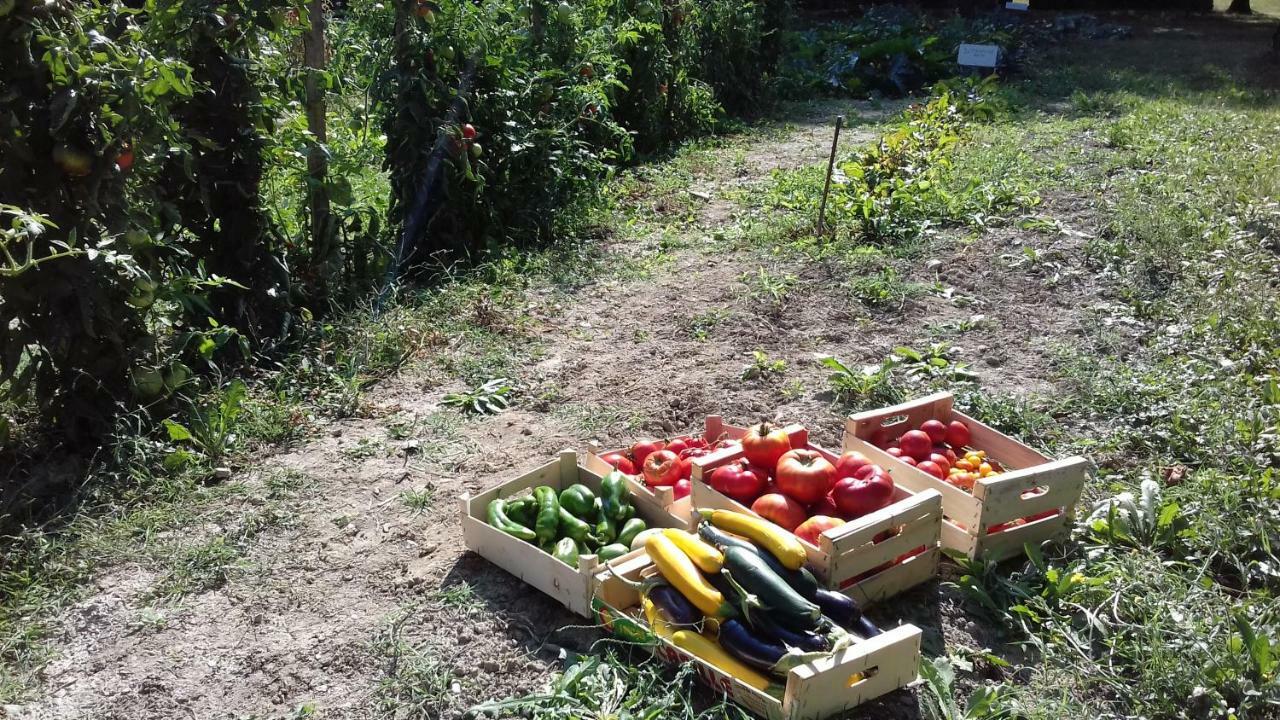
(826, 187)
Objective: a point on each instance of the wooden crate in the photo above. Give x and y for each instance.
(681, 511)
(1032, 484)
(572, 588)
(850, 558)
(813, 691)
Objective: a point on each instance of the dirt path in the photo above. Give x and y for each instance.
(360, 606)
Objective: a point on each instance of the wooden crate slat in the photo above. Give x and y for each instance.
(1010, 452)
(1002, 495)
(957, 538)
(1009, 542)
(912, 413)
(923, 530)
(827, 687)
(897, 579)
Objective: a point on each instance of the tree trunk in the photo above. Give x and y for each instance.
(1240, 6)
(324, 247)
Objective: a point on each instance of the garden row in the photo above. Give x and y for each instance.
(752, 551)
(170, 210)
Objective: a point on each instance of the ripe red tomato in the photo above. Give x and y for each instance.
(640, 451)
(469, 131)
(764, 445)
(867, 471)
(932, 468)
(682, 488)
(957, 434)
(124, 160)
(939, 460)
(739, 480)
(824, 506)
(916, 443)
(698, 441)
(621, 460)
(935, 429)
(849, 463)
(587, 71)
(780, 510)
(725, 443)
(908, 460)
(880, 438)
(857, 497)
(677, 445)
(896, 452)
(686, 459)
(946, 452)
(661, 468)
(805, 475)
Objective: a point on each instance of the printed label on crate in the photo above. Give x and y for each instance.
(978, 55)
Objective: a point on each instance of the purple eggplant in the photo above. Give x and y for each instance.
(806, 640)
(864, 627)
(839, 607)
(737, 640)
(674, 606)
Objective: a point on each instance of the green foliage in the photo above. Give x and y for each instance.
(938, 697)
(890, 50)
(489, 398)
(212, 426)
(762, 368)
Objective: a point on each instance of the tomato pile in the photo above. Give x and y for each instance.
(663, 463)
(799, 489)
(941, 450)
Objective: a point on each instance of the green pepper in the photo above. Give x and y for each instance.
(521, 511)
(614, 496)
(634, 527)
(609, 552)
(628, 511)
(572, 527)
(497, 517)
(566, 551)
(578, 499)
(606, 529)
(548, 520)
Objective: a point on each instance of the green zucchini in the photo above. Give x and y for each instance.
(784, 604)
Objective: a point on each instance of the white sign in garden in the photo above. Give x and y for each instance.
(978, 55)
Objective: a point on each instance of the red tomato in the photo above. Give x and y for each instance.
(867, 471)
(916, 443)
(935, 429)
(941, 461)
(124, 160)
(686, 460)
(932, 468)
(621, 460)
(469, 131)
(640, 451)
(810, 529)
(764, 445)
(825, 506)
(805, 475)
(780, 510)
(880, 438)
(682, 488)
(677, 445)
(946, 452)
(896, 452)
(957, 434)
(698, 442)
(908, 460)
(661, 468)
(739, 480)
(856, 497)
(849, 463)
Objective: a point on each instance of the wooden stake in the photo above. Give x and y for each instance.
(826, 187)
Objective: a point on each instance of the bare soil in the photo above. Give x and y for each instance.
(314, 612)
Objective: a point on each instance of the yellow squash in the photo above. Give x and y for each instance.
(709, 652)
(707, 558)
(680, 571)
(784, 546)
